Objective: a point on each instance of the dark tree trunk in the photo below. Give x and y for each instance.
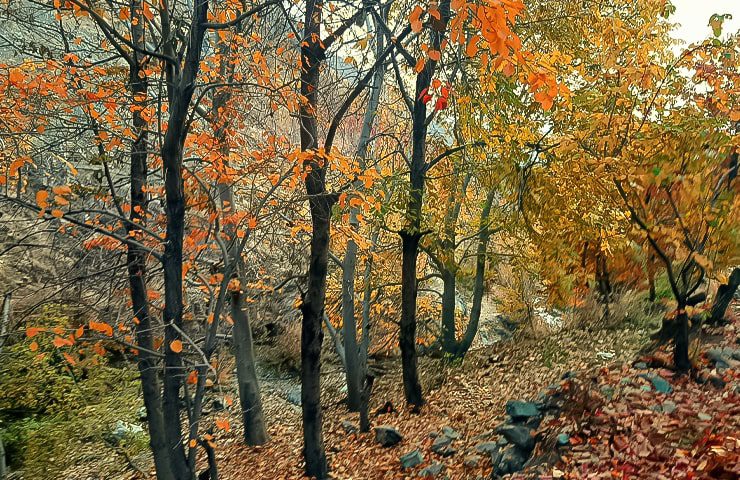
(136, 264)
(351, 351)
(249, 392)
(603, 283)
(681, 352)
(320, 204)
(407, 334)
(480, 274)
(724, 296)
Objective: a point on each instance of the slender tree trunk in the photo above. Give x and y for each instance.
(681, 352)
(246, 373)
(480, 273)
(407, 334)
(351, 352)
(320, 204)
(449, 297)
(136, 263)
(724, 297)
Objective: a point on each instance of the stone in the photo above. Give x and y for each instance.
(387, 436)
(218, 404)
(123, 430)
(563, 440)
(659, 383)
(517, 435)
(294, 396)
(450, 432)
(668, 407)
(511, 461)
(717, 382)
(349, 427)
(432, 470)
(142, 415)
(441, 444)
(704, 416)
(471, 461)
(641, 366)
(487, 447)
(411, 459)
(521, 411)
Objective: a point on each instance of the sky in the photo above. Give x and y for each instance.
(693, 15)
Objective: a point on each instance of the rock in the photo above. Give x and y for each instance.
(472, 461)
(218, 404)
(487, 447)
(450, 432)
(142, 414)
(668, 407)
(441, 444)
(432, 470)
(123, 430)
(512, 460)
(704, 416)
(563, 440)
(387, 436)
(716, 354)
(411, 459)
(349, 427)
(518, 435)
(294, 396)
(717, 382)
(659, 383)
(521, 411)
(641, 366)
(484, 436)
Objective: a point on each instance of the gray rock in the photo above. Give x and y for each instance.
(432, 470)
(472, 461)
(487, 447)
(517, 435)
(659, 383)
(563, 440)
(441, 443)
(142, 414)
(641, 366)
(521, 411)
(411, 459)
(349, 427)
(387, 436)
(450, 432)
(512, 460)
(668, 407)
(294, 396)
(124, 430)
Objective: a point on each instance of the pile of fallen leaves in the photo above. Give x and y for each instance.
(644, 421)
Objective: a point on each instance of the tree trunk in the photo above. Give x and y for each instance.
(681, 352)
(724, 296)
(480, 274)
(449, 334)
(351, 351)
(320, 204)
(407, 334)
(136, 265)
(246, 373)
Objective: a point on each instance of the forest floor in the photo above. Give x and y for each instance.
(623, 428)
(617, 423)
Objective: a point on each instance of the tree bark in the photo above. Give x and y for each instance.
(136, 262)
(246, 373)
(724, 296)
(320, 204)
(681, 352)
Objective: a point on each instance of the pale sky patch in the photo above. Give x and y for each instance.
(693, 17)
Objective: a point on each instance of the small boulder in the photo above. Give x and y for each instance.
(441, 444)
(668, 407)
(487, 447)
(411, 459)
(387, 436)
(563, 440)
(641, 366)
(518, 435)
(450, 432)
(659, 383)
(349, 427)
(472, 461)
(432, 470)
(520, 411)
(511, 460)
(294, 396)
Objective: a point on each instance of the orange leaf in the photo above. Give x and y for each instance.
(34, 346)
(41, 197)
(56, 213)
(435, 55)
(192, 443)
(223, 424)
(176, 346)
(33, 331)
(419, 65)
